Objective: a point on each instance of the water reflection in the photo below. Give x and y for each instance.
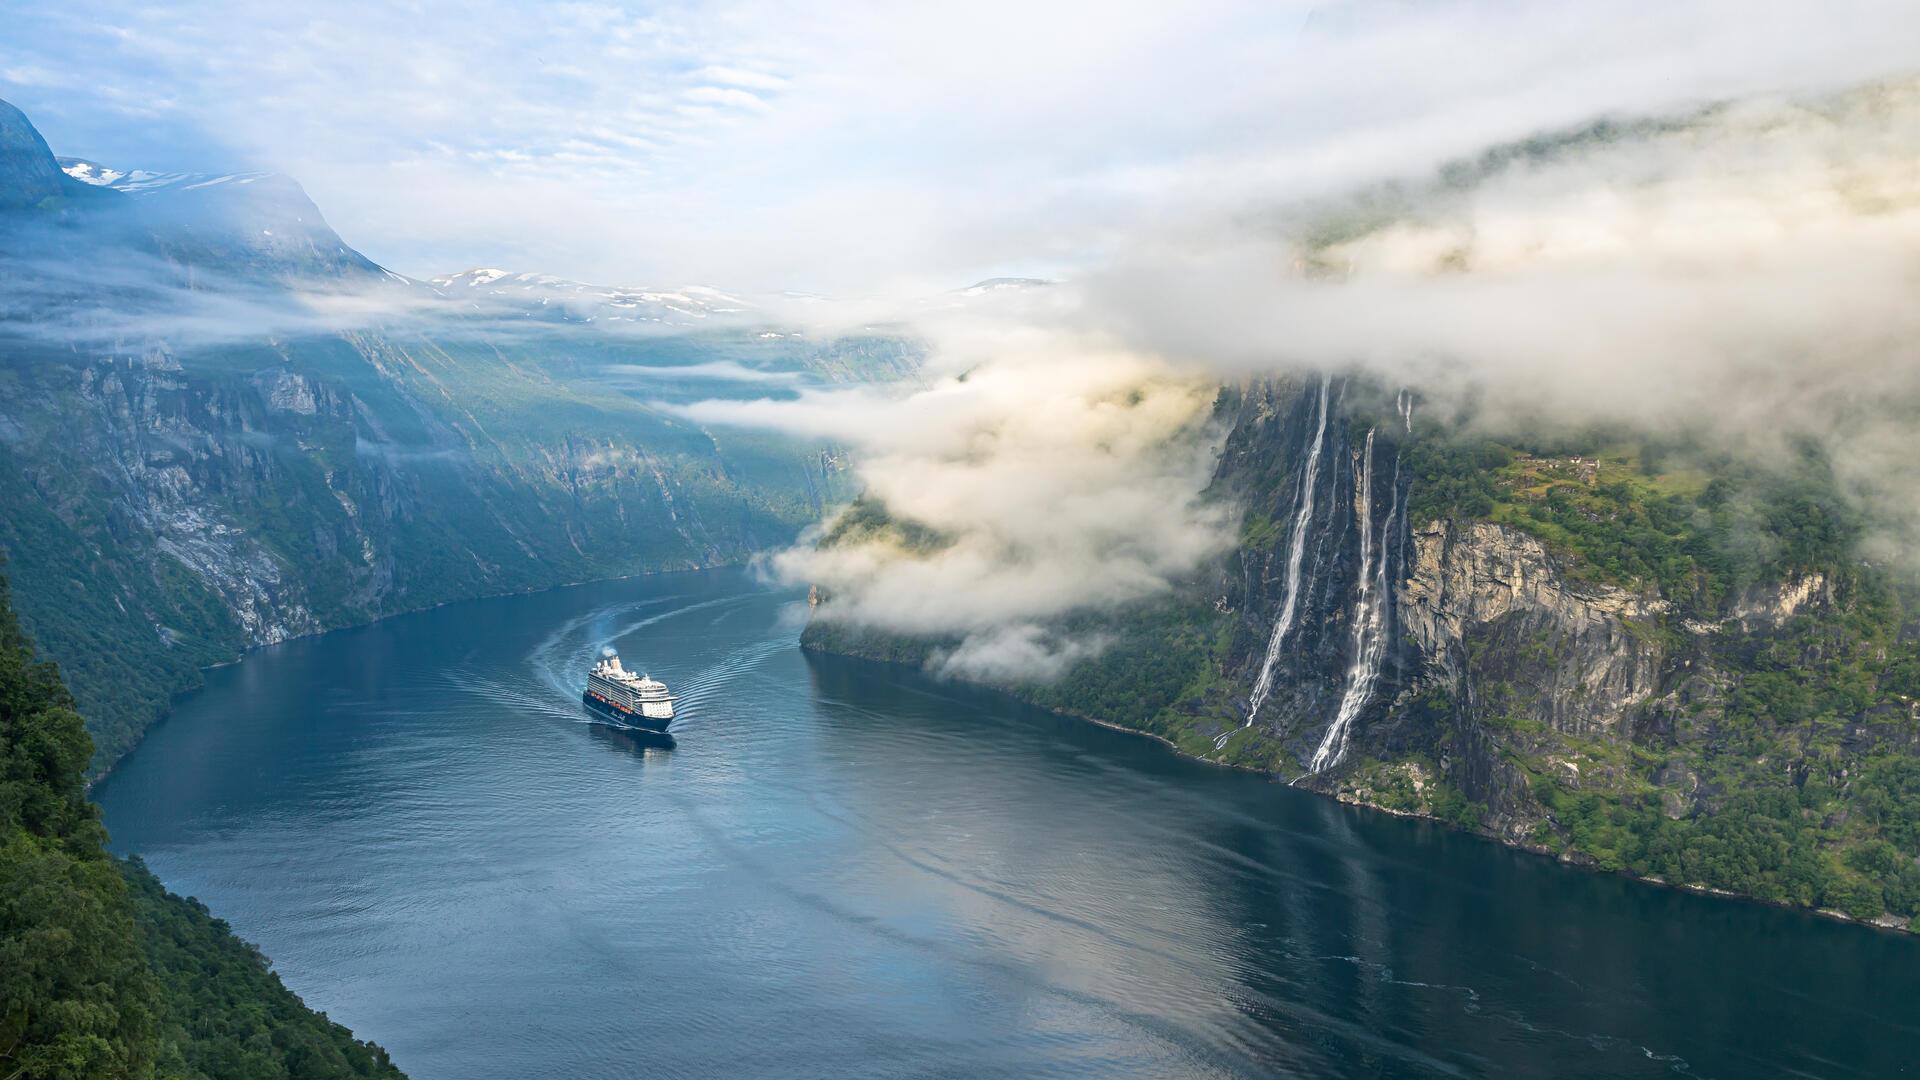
(633, 741)
(1279, 931)
(846, 869)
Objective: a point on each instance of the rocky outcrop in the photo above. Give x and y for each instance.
(286, 391)
(1765, 606)
(1478, 656)
(1486, 605)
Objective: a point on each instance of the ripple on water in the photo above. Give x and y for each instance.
(849, 870)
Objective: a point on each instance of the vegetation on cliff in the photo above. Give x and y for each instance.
(1779, 757)
(221, 426)
(166, 512)
(1784, 767)
(103, 973)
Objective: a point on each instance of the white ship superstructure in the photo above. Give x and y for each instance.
(627, 696)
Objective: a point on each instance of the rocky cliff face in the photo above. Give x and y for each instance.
(1318, 644)
(1496, 624)
(158, 447)
(194, 461)
(1581, 656)
(167, 511)
(1463, 643)
(1581, 665)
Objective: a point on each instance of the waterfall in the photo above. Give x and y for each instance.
(1403, 404)
(1369, 616)
(1303, 516)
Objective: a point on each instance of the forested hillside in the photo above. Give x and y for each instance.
(103, 973)
(1635, 653)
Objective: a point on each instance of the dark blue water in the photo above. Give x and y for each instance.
(845, 869)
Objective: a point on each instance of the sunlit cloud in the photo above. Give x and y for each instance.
(1741, 276)
(868, 148)
(1227, 190)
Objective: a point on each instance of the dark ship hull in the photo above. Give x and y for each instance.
(606, 712)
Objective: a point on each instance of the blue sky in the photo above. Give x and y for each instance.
(865, 147)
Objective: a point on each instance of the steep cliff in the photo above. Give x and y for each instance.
(1684, 672)
(221, 427)
(167, 510)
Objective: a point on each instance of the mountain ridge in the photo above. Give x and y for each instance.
(29, 176)
(199, 460)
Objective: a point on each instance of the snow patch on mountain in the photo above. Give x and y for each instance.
(89, 173)
(142, 181)
(546, 296)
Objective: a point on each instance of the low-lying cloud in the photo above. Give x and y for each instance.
(1042, 474)
(1770, 241)
(91, 284)
(1746, 274)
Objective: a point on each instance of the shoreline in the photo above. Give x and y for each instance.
(1568, 859)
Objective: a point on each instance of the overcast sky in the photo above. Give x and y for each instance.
(865, 149)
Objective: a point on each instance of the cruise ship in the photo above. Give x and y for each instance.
(626, 699)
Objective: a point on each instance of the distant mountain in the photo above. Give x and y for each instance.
(247, 226)
(201, 452)
(29, 177)
(542, 296)
(142, 182)
(244, 222)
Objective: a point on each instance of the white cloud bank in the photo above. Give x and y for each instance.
(1748, 274)
(1058, 474)
(1631, 274)
(869, 147)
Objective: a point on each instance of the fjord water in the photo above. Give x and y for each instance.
(847, 869)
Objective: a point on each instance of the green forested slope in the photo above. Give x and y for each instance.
(102, 972)
(1785, 764)
(1775, 752)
